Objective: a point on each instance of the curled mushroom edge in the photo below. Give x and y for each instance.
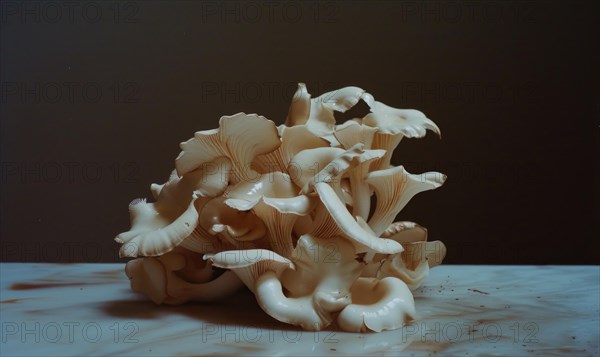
(302, 214)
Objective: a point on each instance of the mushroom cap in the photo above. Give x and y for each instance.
(250, 264)
(322, 119)
(394, 188)
(408, 122)
(356, 230)
(294, 140)
(240, 138)
(377, 305)
(157, 228)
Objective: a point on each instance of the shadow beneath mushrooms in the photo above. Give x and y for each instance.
(240, 309)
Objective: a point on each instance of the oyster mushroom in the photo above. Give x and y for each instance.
(377, 305)
(299, 111)
(293, 140)
(201, 241)
(360, 190)
(157, 228)
(353, 133)
(306, 291)
(401, 232)
(285, 210)
(275, 200)
(356, 229)
(249, 264)
(413, 264)
(240, 138)
(405, 232)
(329, 165)
(393, 125)
(179, 276)
(326, 183)
(394, 187)
(322, 120)
(233, 226)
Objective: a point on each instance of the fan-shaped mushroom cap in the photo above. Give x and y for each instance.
(405, 232)
(357, 230)
(410, 123)
(393, 125)
(250, 264)
(394, 187)
(322, 119)
(293, 140)
(240, 137)
(354, 133)
(273, 199)
(329, 164)
(377, 305)
(412, 266)
(158, 227)
(232, 225)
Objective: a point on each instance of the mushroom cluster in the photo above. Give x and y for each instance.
(302, 214)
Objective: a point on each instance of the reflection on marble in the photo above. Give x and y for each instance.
(89, 310)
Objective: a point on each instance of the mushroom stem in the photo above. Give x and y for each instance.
(221, 287)
(377, 305)
(361, 196)
(297, 311)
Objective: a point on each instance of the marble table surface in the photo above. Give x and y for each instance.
(89, 310)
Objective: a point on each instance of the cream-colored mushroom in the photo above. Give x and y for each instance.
(312, 292)
(360, 190)
(240, 137)
(250, 264)
(275, 200)
(157, 228)
(377, 305)
(357, 230)
(393, 125)
(412, 265)
(329, 165)
(232, 225)
(147, 276)
(285, 210)
(405, 232)
(201, 241)
(299, 111)
(306, 291)
(410, 123)
(353, 133)
(401, 232)
(293, 140)
(394, 187)
(178, 277)
(326, 183)
(322, 120)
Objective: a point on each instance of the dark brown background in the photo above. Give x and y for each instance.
(97, 96)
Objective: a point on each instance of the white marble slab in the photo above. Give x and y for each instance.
(88, 310)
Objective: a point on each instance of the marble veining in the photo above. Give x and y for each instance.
(88, 309)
